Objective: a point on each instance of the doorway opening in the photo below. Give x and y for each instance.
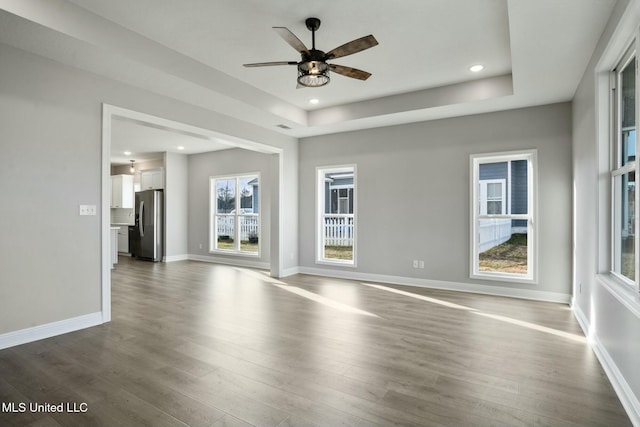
(115, 119)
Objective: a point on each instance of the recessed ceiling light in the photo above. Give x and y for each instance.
(181, 148)
(314, 101)
(476, 68)
(126, 153)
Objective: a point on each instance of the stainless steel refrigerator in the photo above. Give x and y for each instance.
(148, 239)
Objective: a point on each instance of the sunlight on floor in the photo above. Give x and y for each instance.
(323, 300)
(263, 276)
(533, 326)
(422, 297)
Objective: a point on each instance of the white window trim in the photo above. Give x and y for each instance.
(321, 171)
(532, 216)
(212, 216)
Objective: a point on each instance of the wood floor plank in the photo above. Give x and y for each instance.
(202, 344)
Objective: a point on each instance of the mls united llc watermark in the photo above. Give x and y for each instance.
(20, 407)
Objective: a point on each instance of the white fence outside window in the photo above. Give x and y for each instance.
(493, 232)
(249, 224)
(338, 229)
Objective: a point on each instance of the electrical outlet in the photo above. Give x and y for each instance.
(421, 264)
(200, 245)
(87, 209)
(415, 263)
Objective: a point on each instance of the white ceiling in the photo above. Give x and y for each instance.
(146, 141)
(534, 53)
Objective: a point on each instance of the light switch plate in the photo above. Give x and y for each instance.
(87, 209)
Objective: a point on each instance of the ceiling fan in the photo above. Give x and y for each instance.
(313, 70)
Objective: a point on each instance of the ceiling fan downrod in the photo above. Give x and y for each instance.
(312, 25)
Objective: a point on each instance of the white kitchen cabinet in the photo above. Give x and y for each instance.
(123, 239)
(122, 191)
(152, 179)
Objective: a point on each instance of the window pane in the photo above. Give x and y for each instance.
(248, 195)
(225, 232)
(502, 251)
(494, 208)
(625, 264)
(494, 191)
(628, 113)
(249, 232)
(226, 194)
(338, 237)
(334, 201)
(344, 206)
(519, 185)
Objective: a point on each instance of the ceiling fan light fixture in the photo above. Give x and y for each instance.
(313, 73)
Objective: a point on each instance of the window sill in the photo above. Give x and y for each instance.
(336, 263)
(623, 293)
(233, 253)
(505, 278)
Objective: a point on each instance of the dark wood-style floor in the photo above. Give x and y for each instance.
(209, 345)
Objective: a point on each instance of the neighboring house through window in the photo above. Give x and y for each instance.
(235, 227)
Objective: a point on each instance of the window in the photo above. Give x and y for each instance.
(623, 172)
(503, 216)
(493, 197)
(336, 202)
(235, 227)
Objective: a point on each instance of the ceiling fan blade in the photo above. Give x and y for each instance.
(352, 47)
(269, 64)
(292, 39)
(354, 73)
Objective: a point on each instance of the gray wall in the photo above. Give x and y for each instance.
(425, 167)
(614, 327)
(220, 163)
(50, 163)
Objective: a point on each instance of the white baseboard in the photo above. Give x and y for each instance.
(626, 395)
(49, 330)
(173, 258)
(290, 271)
(581, 318)
(439, 284)
(230, 261)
